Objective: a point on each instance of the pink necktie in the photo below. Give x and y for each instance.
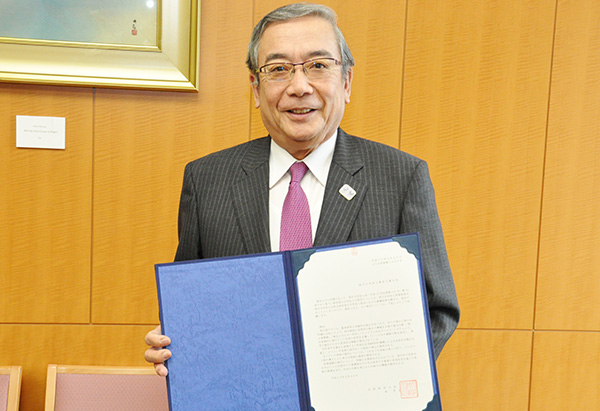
(296, 231)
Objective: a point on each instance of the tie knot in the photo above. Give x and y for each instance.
(298, 170)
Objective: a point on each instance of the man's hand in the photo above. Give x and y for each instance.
(156, 354)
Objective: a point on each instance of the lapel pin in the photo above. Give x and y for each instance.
(348, 192)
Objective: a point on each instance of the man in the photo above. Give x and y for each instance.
(232, 201)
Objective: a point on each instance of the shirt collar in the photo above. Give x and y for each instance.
(318, 161)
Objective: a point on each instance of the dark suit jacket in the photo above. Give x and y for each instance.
(224, 210)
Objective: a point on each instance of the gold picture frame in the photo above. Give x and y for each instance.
(173, 65)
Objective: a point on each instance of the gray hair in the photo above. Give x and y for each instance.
(294, 11)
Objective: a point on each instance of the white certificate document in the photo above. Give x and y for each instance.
(365, 329)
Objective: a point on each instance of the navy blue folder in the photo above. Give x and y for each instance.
(236, 331)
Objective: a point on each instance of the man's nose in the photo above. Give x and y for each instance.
(299, 83)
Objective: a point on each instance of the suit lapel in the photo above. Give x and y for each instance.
(338, 212)
(251, 198)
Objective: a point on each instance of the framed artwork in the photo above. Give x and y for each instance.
(150, 44)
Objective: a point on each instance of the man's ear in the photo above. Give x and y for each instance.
(348, 85)
(255, 89)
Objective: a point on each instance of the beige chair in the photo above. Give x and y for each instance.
(90, 388)
(10, 387)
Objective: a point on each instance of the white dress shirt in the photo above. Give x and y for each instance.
(313, 183)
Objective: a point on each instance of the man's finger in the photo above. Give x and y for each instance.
(161, 370)
(155, 339)
(156, 356)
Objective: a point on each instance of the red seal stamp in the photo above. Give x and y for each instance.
(409, 389)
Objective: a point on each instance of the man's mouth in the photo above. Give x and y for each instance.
(300, 110)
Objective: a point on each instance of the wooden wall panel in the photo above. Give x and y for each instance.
(485, 370)
(568, 285)
(565, 371)
(475, 99)
(35, 346)
(45, 209)
(374, 111)
(143, 141)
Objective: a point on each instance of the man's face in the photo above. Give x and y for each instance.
(301, 113)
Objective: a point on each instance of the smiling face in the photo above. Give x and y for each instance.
(300, 114)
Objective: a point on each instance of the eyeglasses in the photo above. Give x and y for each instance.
(314, 69)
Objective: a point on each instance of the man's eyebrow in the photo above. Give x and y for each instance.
(319, 53)
(275, 56)
(283, 56)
